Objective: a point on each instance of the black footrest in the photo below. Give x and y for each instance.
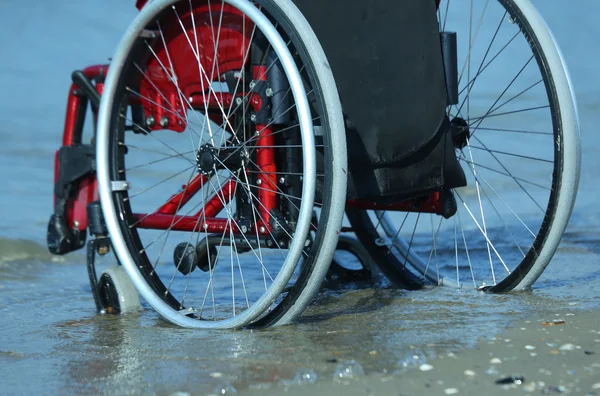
(60, 238)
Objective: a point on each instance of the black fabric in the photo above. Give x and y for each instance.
(387, 62)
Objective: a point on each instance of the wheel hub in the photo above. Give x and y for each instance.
(210, 159)
(460, 132)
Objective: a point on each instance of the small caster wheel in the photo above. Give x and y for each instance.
(339, 272)
(116, 292)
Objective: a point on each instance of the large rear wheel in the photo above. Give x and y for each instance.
(518, 143)
(210, 121)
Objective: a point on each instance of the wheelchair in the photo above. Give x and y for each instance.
(220, 169)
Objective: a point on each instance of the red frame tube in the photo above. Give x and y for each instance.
(267, 176)
(182, 223)
(74, 102)
(166, 218)
(88, 187)
(187, 192)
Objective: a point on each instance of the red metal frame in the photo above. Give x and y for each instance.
(75, 101)
(88, 187)
(183, 223)
(187, 192)
(166, 217)
(164, 99)
(230, 56)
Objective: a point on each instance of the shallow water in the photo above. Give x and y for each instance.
(51, 340)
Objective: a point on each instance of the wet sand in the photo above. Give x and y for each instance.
(554, 353)
(52, 342)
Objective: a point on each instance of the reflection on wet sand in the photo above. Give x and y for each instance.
(385, 331)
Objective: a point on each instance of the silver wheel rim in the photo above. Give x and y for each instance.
(309, 171)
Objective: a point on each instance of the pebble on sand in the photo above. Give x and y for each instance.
(553, 323)
(470, 373)
(567, 347)
(425, 367)
(529, 347)
(451, 391)
(495, 360)
(225, 389)
(529, 387)
(553, 389)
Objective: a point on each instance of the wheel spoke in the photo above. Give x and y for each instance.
(511, 154)
(484, 233)
(466, 250)
(514, 131)
(515, 178)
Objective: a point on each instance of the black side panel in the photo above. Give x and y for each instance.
(387, 61)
